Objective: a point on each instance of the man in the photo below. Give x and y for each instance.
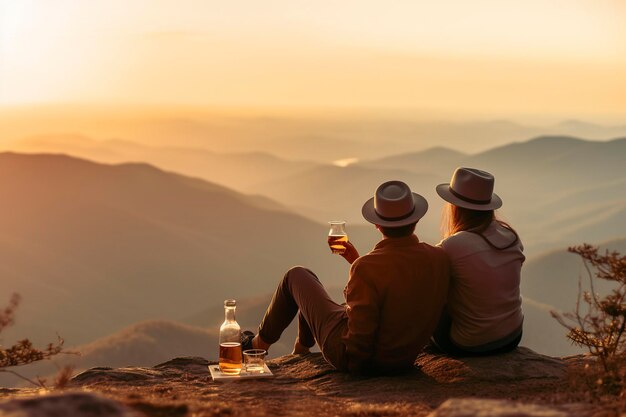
(394, 296)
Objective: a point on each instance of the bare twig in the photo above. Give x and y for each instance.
(23, 352)
(35, 383)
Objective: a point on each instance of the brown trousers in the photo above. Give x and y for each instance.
(320, 319)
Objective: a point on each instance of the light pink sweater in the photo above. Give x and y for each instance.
(484, 299)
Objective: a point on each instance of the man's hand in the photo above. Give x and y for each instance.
(350, 254)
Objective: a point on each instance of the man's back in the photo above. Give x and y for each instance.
(395, 296)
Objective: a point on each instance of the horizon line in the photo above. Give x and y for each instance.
(406, 113)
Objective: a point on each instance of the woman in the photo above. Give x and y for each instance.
(484, 311)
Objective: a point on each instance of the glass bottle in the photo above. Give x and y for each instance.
(230, 341)
(337, 237)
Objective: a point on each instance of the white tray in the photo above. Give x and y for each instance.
(217, 375)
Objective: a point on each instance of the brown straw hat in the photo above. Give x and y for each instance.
(394, 205)
(470, 188)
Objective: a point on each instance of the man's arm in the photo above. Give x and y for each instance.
(363, 316)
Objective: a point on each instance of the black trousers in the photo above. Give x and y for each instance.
(442, 340)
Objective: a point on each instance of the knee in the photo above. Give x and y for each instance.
(298, 273)
(297, 270)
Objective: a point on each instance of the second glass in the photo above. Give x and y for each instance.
(254, 360)
(337, 237)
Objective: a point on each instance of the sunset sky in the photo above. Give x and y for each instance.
(480, 56)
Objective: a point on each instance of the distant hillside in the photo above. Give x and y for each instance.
(234, 170)
(148, 343)
(552, 278)
(557, 191)
(93, 248)
(548, 161)
(556, 164)
(431, 160)
(330, 192)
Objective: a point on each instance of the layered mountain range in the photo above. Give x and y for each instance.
(557, 190)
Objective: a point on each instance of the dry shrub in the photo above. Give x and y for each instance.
(588, 382)
(598, 323)
(23, 352)
(63, 377)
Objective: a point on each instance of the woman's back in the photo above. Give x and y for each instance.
(484, 299)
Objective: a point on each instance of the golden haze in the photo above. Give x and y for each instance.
(484, 58)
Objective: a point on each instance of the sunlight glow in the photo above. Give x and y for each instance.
(481, 55)
(342, 163)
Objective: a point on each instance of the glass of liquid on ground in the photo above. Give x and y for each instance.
(337, 236)
(254, 360)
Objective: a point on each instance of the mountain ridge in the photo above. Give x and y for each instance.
(536, 141)
(81, 242)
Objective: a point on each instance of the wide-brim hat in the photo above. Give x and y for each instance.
(394, 205)
(470, 188)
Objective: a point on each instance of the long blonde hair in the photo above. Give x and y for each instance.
(456, 219)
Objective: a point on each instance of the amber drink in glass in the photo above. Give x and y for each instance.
(337, 237)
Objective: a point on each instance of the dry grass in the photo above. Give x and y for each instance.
(23, 352)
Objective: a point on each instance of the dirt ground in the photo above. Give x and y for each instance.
(306, 385)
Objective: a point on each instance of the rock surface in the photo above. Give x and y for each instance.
(307, 385)
(69, 404)
(460, 407)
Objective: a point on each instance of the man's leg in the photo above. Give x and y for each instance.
(300, 290)
(305, 339)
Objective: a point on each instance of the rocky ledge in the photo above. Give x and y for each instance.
(520, 383)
